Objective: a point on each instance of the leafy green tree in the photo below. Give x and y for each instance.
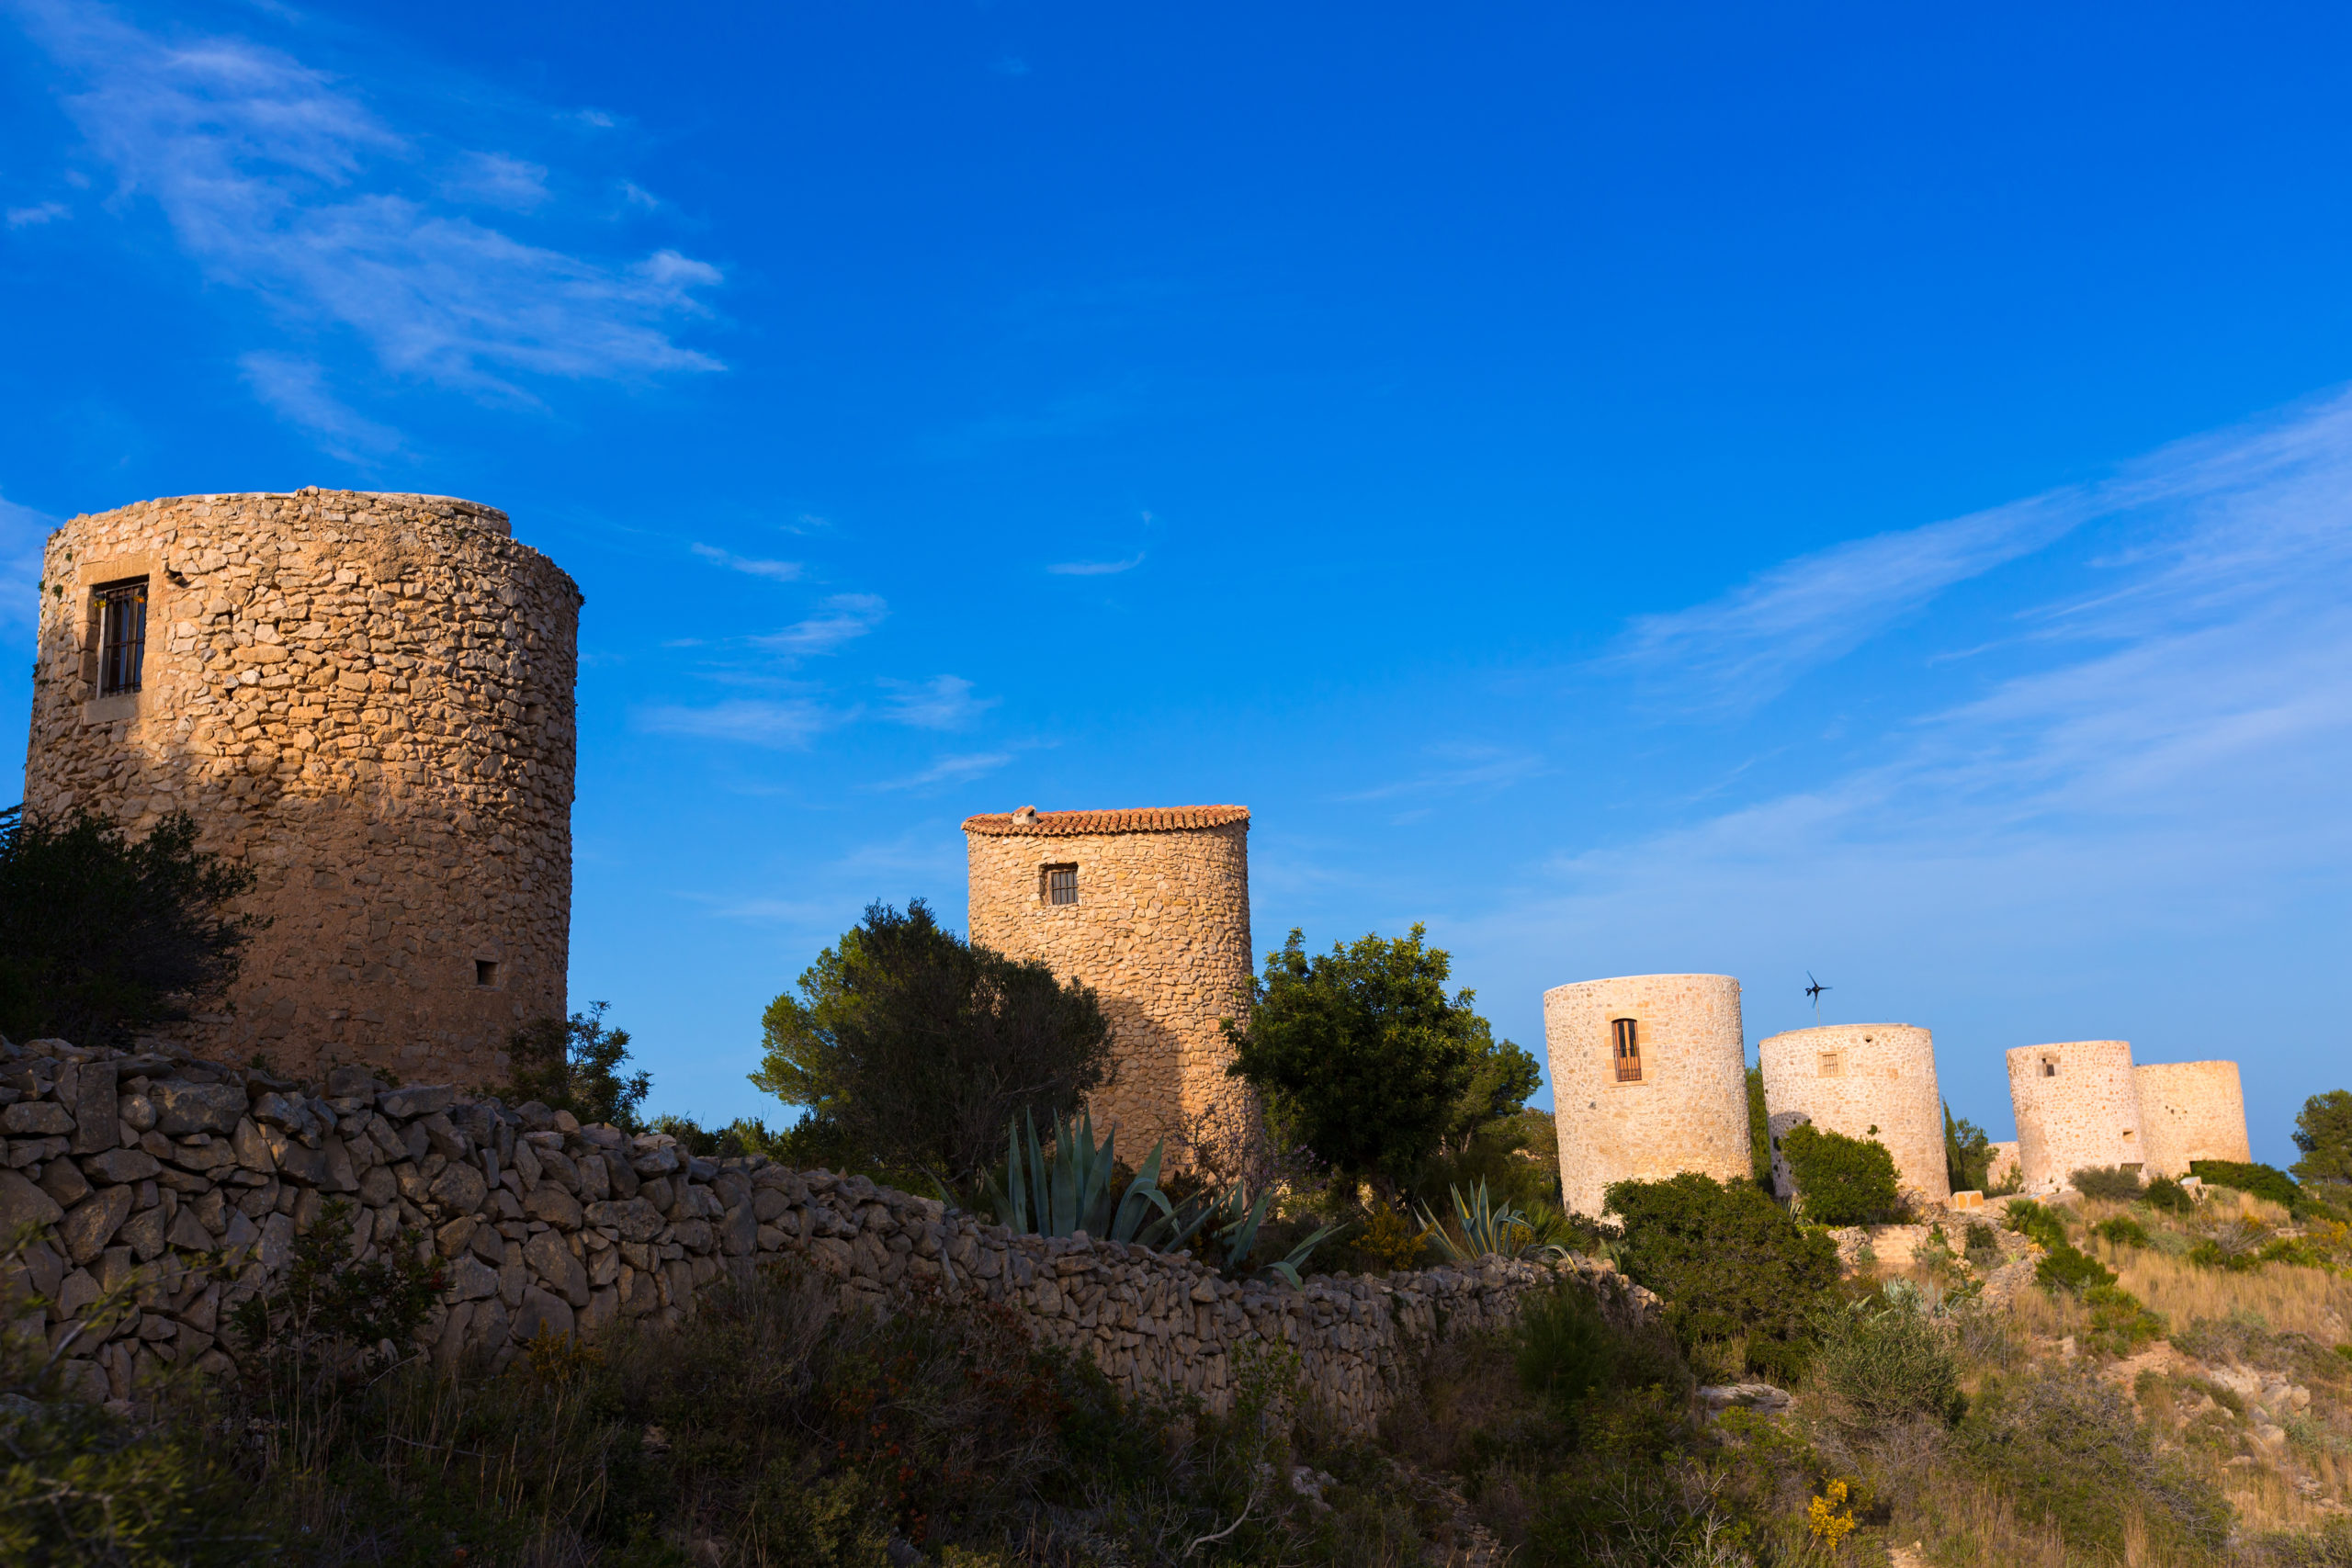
(2323, 1131)
(1502, 1075)
(101, 937)
(1729, 1261)
(575, 1065)
(1840, 1180)
(1362, 1052)
(1968, 1153)
(1759, 1132)
(914, 1049)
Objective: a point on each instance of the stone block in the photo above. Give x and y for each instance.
(181, 1108)
(36, 1118)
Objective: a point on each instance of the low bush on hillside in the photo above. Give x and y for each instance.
(2168, 1196)
(1730, 1262)
(101, 936)
(1885, 1360)
(2121, 1230)
(2265, 1182)
(2110, 1183)
(1840, 1180)
(2069, 1451)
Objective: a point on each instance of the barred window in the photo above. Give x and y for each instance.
(121, 614)
(1629, 1049)
(1061, 884)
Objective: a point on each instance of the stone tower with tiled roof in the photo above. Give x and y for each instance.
(1149, 908)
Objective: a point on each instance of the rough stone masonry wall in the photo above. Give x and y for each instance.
(1160, 931)
(2085, 1114)
(147, 1168)
(1865, 1080)
(1689, 1111)
(367, 699)
(2191, 1111)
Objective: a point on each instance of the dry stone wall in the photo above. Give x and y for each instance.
(366, 699)
(1687, 1109)
(186, 1182)
(1159, 928)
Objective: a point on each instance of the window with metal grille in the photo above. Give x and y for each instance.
(1831, 1065)
(1629, 1049)
(122, 635)
(1061, 885)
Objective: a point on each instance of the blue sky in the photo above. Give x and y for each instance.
(1746, 490)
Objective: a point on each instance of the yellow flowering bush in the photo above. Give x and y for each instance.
(1829, 1516)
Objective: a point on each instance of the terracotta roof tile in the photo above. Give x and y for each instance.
(1031, 823)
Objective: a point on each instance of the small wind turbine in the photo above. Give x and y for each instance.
(1813, 989)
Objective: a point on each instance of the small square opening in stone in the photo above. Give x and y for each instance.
(2049, 1067)
(485, 971)
(1061, 884)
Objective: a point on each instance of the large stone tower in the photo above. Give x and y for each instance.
(2077, 1106)
(1649, 1079)
(367, 699)
(1151, 909)
(1866, 1080)
(2191, 1111)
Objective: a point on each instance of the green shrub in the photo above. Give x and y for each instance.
(2069, 1268)
(2069, 1451)
(2122, 1231)
(2114, 1184)
(1730, 1263)
(1968, 1153)
(1566, 1349)
(1887, 1361)
(2266, 1182)
(2037, 1223)
(2168, 1195)
(101, 937)
(2119, 1322)
(1840, 1180)
(1983, 1248)
(574, 1065)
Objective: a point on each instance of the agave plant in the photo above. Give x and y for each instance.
(1486, 1229)
(1240, 1220)
(1069, 1191)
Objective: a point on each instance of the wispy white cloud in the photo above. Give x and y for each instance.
(846, 617)
(497, 179)
(278, 177)
(1461, 769)
(787, 724)
(45, 212)
(1094, 568)
(952, 770)
(1750, 644)
(2166, 769)
(944, 702)
(296, 390)
(774, 571)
